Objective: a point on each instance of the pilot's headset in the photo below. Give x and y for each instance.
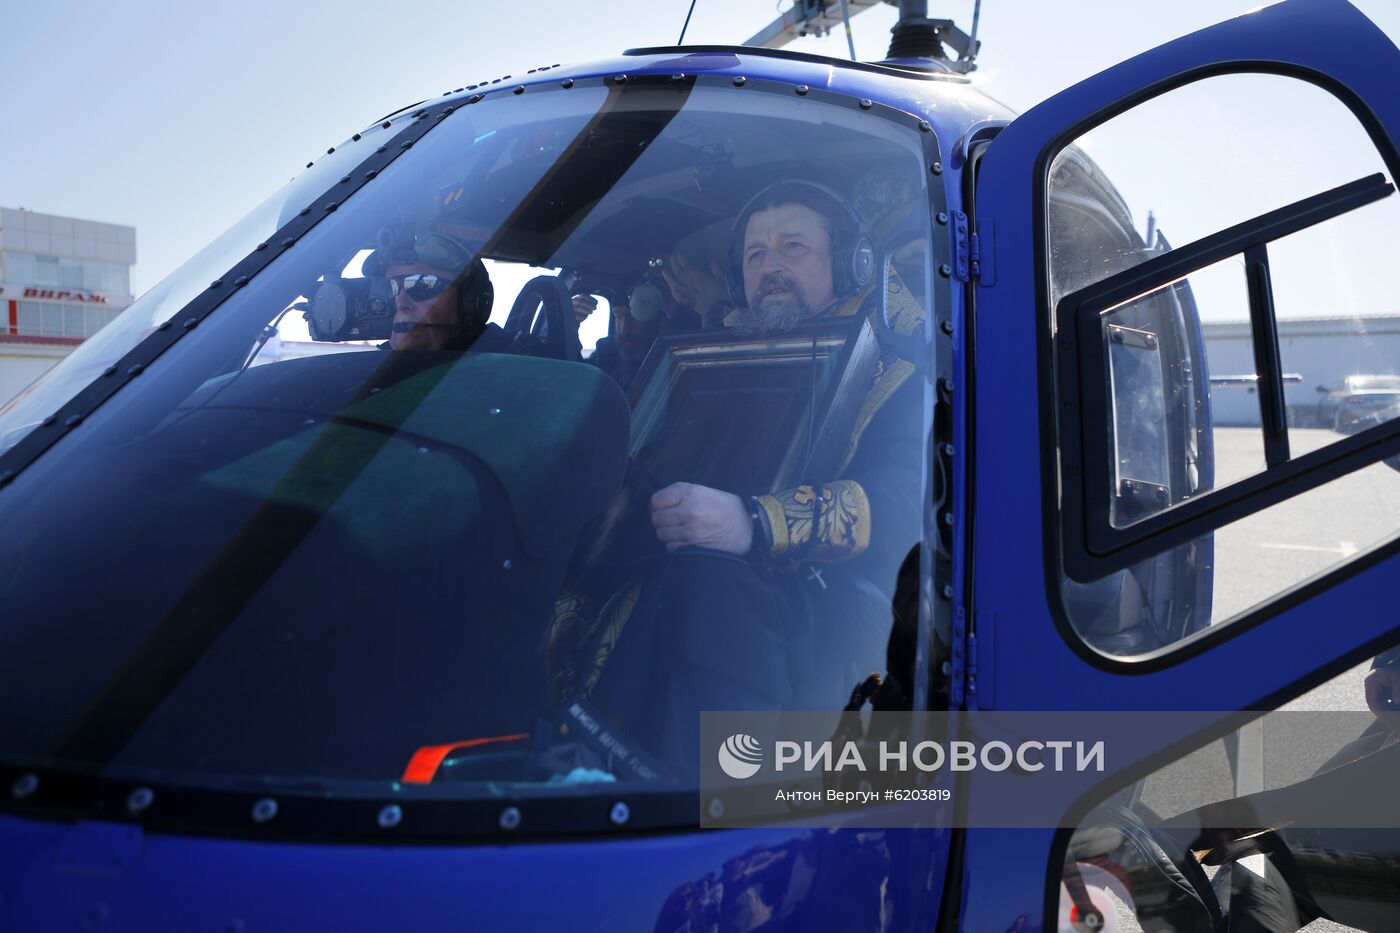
(475, 295)
(852, 249)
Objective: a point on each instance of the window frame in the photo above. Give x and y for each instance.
(1093, 546)
(1053, 512)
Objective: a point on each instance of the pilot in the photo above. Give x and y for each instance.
(768, 601)
(442, 294)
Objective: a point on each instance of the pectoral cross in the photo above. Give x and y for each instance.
(815, 573)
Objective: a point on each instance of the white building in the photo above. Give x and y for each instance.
(61, 281)
(1319, 350)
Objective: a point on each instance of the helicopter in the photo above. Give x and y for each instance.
(417, 630)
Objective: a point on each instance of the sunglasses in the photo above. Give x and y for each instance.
(420, 286)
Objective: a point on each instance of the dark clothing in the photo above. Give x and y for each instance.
(607, 357)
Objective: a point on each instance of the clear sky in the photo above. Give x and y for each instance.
(178, 116)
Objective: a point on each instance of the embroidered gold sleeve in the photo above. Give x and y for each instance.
(825, 523)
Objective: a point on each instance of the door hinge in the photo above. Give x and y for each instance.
(958, 680)
(973, 664)
(965, 257)
(972, 253)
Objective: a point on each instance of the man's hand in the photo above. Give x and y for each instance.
(584, 305)
(686, 514)
(696, 288)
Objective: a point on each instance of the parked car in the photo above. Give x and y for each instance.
(1354, 401)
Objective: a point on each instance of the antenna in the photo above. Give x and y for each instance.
(681, 40)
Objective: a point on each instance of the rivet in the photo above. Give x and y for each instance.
(948, 519)
(382, 149)
(48, 421)
(189, 323)
(418, 114)
(567, 83)
(925, 127)
(740, 81)
(356, 137)
(386, 124)
(802, 89)
(510, 818)
(140, 799)
(375, 389)
(109, 370)
(25, 786)
(405, 144)
(942, 217)
(946, 668)
(345, 179)
(370, 174)
(519, 89)
(448, 110)
(264, 810)
(947, 450)
(73, 421)
(715, 808)
(620, 814)
(237, 283)
(216, 283)
(506, 564)
(330, 150)
(164, 325)
(422, 450)
(390, 816)
(936, 168)
(946, 327)
(866, 103)
(946, 385)
(620, 79)
(331, 206)
(134, 369)
(947, 591)
(304, 211)
(260, 247)
(678, 77)
(288, 242)
(475, 98)
(945, 270)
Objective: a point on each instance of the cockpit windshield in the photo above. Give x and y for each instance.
(604, 403)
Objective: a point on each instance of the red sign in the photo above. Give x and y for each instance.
(63, 295)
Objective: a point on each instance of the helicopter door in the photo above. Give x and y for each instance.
(1173, 255)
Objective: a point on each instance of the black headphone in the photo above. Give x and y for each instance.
(852, 249)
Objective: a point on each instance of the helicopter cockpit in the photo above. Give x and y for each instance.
(381, 559)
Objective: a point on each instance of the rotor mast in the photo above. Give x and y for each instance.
(916, 41)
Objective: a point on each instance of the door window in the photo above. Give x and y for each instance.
(1225, 337)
